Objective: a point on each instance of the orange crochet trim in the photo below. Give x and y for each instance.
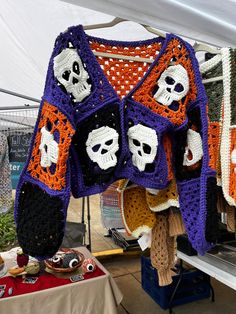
(214, 143)
(144, 94)
(58, 121)
(232, 181)
(124, 74)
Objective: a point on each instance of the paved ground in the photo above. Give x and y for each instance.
(126, 272)
(99, 242)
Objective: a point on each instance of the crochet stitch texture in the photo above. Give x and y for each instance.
(5, 176)
(84, 96)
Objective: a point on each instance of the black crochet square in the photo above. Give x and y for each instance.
(39, 221)
(194, 119)
(211, 230)
(91, 172)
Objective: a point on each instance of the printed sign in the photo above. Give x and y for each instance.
(18, 152)
(18, 147)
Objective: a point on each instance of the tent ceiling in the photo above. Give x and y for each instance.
(211, 21)
(28, 30)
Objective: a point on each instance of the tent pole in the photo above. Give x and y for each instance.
(5, 91)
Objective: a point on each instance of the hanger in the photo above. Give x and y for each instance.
(114, 22)
(198, 46)
(207, 65)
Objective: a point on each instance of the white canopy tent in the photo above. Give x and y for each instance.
(28, 30)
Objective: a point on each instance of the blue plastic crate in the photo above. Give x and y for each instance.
(193, 286)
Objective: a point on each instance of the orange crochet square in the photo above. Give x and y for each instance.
(232, 182)
(214, 143)
(174, 51)
(124, 74)
(58, 122)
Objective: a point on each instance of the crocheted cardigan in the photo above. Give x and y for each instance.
(105, 119)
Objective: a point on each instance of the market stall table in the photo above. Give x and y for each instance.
(216, 272)
(95, 295)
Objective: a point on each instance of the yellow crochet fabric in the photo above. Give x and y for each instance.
(136, 214)
(163, 199)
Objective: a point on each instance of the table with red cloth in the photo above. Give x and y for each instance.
(96, 294)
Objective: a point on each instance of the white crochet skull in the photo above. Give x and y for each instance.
(49, 148)
(193, 150)
(173, 85)
(143, 143)
(102, 145)
(70, 72)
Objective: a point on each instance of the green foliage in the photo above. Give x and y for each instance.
(7, 231)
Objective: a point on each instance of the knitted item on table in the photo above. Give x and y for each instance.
(136, 215)
(228, 142)
(176, 225)
(162, 250)
(159, 200)
(5, 176)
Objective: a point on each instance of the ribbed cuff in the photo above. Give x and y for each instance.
(176, 226)
(164, 277)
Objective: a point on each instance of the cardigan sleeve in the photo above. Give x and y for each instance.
(196, 181)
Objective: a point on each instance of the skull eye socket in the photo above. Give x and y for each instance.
(66, 75)
(136, 142)
(146, 148)
(169, 80)
(75, 67)
(108, 143)
(179, 88)
(189, 155)
(96, 148)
